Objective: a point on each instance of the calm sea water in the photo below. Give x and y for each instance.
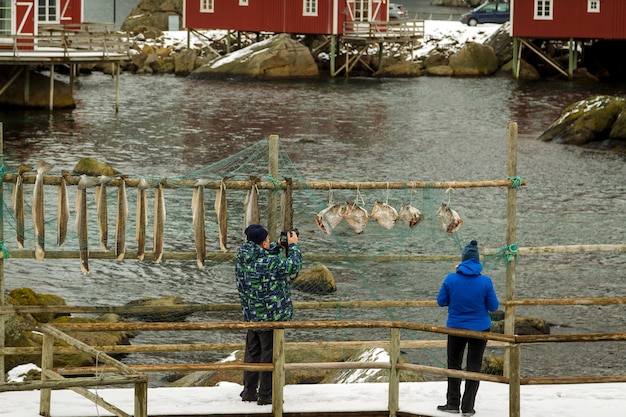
(424, 129)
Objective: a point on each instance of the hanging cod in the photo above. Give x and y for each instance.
(120, 222)
(101, 208)
(251, 204)
(450, 219)
(384, 214)
(38, 210)
(330, 217)
(197, 216)
(18, 204)
(222, 217)
(286, 205)
(142, 218)
(159, 221)
(81, 222)
(410, 215)
(63, 209)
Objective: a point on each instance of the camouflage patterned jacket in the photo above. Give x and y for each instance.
(263, 281)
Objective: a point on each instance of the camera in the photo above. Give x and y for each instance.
(282, 239)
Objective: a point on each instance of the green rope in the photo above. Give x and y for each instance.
(272, 179)
(5, 252)
(504, 255)
(517, 181)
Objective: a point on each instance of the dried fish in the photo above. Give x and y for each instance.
(450, 219)
(222, 218)
(384, 214)
(120, 221)
(329, 218)
(286, 205)
(142, 218)
(38, 210)
(81, 223)
(197, 213)
(356, 216)
(251, 205)
(159, 221)
(18, 204)
(63, 209)
(101, 207)
(410, 215)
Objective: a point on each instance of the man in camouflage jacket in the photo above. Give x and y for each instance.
(263, 280)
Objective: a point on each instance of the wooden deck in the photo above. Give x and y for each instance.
(392, 31)
(76, 43)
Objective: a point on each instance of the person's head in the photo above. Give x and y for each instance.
(470, 251)
(257, 234)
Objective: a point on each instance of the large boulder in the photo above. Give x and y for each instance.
(277, 57)
(596, 121)
(317, 280)
(152, 14)
(474, 59)
(38, 91)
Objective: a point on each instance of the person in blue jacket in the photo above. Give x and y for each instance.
(470, 297)
(263, 275)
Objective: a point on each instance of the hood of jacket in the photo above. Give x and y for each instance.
(470, 267)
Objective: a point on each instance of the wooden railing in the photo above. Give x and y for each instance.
(93, 41)
(51, 380)
(391, 30)
(513, 343)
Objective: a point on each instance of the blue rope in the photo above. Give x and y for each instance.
(272, 179)
(5, 252)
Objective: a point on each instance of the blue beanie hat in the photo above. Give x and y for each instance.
(470, 251)
(256, 233)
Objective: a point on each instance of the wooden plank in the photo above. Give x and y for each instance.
(73, 382)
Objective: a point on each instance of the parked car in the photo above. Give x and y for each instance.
(397, 11)
(490, 12)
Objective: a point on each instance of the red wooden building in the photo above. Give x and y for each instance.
(323, 17)
(577, 22)
(52, 32)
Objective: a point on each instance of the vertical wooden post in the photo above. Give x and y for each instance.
(51, 99)
(394, 379)
(116, 67)
(141, 399)
(517, 50)
(514, 381)
(333, 55)
(47, 362)
(278, 376)
(2, 316)
(272, 204)
(511, 353)
(26, 85)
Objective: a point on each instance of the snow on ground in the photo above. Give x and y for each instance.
(420, 398)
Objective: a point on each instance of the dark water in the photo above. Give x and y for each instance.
(424, 129)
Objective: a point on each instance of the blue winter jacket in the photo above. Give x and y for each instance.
(263, 281)
(469, 297)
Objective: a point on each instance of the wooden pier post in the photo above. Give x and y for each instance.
(278, 376)
(511, 353)
(2, 316)
(51, 103)
(394, 379)
(272, 206)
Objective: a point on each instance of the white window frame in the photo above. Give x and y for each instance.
(207, 6)
(544, 9)
(7, 27)
(593, 6)
(309, 7)
(48, 17)
(243, 2)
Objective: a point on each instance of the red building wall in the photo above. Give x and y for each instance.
(570, 20)
(71, 11)
(281, 16)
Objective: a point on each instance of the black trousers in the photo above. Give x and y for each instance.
(259, 349)
(456, 350)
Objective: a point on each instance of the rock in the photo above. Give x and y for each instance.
(399, 69)
(440, 70)
(168, 301)
(370, 375)
(277, 57)
(184, 62)
(502, 43)
(317, 280)
(153, 14)
(586, 121)
(94, 168)
(492, 365)
(39, 91)
(28, 297)
(524, 326)
(474, 59)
